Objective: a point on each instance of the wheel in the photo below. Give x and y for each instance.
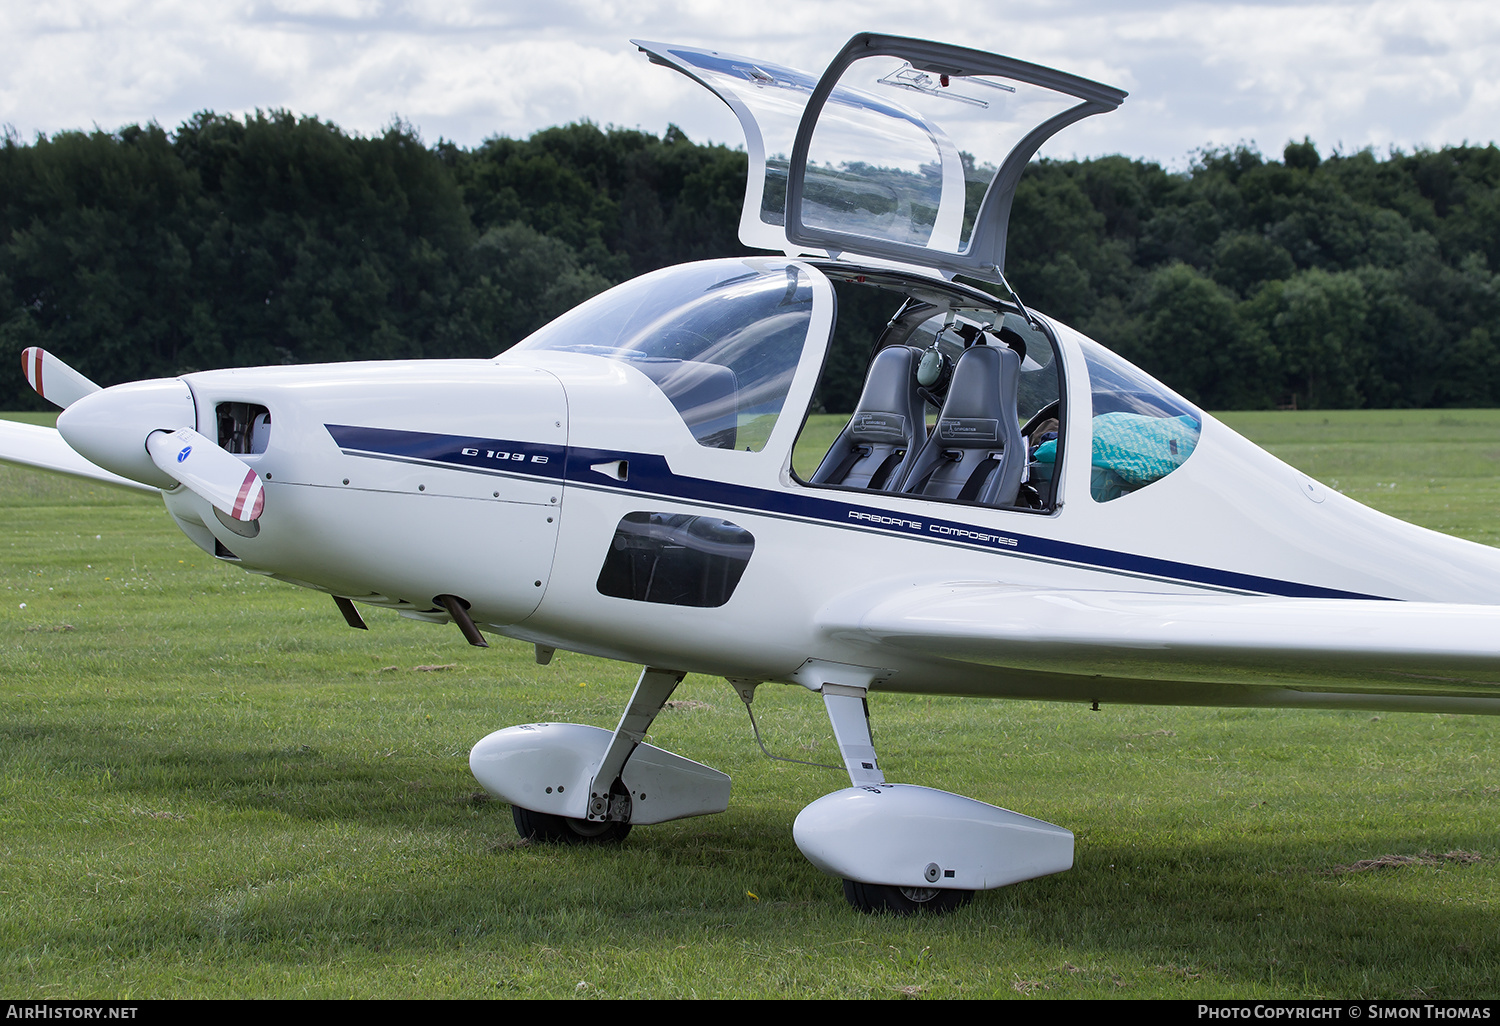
(904, 901)
(550, 829)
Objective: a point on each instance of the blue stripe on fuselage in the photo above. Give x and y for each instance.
(649, 474)
(532, 459)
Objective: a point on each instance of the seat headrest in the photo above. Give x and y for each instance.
(983, 389)
(889, 398)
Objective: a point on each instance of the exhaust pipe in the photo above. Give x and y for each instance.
(459, 610)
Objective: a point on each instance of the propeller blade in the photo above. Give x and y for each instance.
(207, 470)
(61, 385)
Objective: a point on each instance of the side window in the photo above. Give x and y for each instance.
(1142, 430)
(676, 559)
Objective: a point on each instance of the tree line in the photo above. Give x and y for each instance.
(1244, 281)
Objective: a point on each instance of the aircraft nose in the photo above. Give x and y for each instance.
(109, 428)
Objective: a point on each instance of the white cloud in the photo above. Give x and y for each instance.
(1392, 72)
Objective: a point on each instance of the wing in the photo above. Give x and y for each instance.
(42, 447)
(1188, 648)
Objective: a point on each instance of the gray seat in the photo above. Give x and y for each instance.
(977, 453)
(879, 444)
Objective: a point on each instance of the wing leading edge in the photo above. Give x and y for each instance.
(1190, 649)
(31, 445)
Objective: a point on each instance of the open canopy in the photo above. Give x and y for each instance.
(904, 150)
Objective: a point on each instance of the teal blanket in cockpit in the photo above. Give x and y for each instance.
(1137, 449)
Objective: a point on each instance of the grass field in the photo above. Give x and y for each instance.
(210, 787)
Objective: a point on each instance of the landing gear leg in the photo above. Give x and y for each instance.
(849, 713)
(609, 799)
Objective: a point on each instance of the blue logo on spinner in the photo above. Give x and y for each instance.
(184, 453)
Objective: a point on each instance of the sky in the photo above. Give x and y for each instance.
(1349, 75)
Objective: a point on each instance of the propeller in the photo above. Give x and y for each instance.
(54, 380)
(207, 470)
(108, 430)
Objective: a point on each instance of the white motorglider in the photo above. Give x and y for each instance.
(1012, 510)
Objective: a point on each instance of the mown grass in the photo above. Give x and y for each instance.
(209, 786)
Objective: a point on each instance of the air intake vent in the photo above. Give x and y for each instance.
(244, 428)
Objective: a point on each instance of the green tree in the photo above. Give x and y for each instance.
(1316, 321)
(1189, 335)
(519, 279)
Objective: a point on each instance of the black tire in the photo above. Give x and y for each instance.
(904, 901)
(546, 828)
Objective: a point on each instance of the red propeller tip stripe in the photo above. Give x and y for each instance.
(31, 364)
(250, 486)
